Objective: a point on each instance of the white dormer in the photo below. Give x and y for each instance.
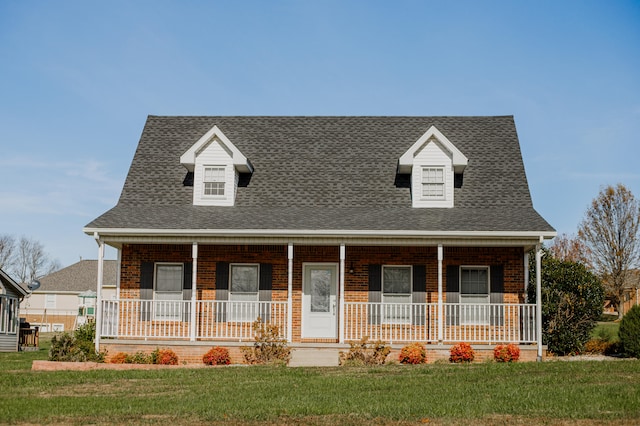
(216, 165)
(432, 161)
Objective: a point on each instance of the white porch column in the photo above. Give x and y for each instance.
(99, 291)
(539, 298)
(343, 251)
(194, 280)
(290, 293)
(526, 274)
(118, 269)
(440, 302)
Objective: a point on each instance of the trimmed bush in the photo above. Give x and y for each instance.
(462, 352)
(119, 358)
(363, 352)
(506, 353)
(217, 356)
(629, 332)
(165, 357)
(413, 354)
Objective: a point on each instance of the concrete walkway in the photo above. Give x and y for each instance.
(314, 357)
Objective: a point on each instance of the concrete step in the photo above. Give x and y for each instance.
(314, 357)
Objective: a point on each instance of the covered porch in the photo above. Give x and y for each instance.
(347, 309)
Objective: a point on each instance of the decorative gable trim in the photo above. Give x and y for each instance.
(406, 162)
(240, 162)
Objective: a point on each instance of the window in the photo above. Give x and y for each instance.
(50, 301)
(168, 292)
(214, 181)
(474, 289)
(433, 183)
(243, 292)
(396, 294)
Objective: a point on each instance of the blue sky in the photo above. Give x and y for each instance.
(78, 78)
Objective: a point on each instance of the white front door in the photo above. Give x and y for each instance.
(319, 301)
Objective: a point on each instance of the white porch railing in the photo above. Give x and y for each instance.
(154, 319)
(389, 322)
(478, 323)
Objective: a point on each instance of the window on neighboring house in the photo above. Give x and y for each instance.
(396, 294)
(243, 292)
(50, 301)
(474, 289)
(433, 183)
(214, 181)
(168, 291)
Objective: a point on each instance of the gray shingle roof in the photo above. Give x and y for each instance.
(327, 173)
(79, 277)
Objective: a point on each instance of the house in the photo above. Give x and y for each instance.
(66, 298)
(10, 296)
(332, 228)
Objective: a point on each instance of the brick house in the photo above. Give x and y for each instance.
(333, 228)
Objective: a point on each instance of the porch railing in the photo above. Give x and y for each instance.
(479, 323)
(389, 322)
(155, 319)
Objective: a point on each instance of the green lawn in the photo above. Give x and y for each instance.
(585, 392)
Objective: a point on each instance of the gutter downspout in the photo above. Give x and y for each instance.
(290, 292)
(194, 280)
(99, 290)
(440, 303)
(539, 298)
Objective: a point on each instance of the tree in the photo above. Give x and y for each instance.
(572, 302)
(7, 246)
(570, 248)
(26, 260)
(610, 232)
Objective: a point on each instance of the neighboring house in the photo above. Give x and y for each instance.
(10, 296)
(67, 298)
(332, 228)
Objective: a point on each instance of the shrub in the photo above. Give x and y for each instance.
(140, 358)
(572, 302)
(462, 352)
(119, 358)
(629, 332)
(506, 353)
(413, 354)
(217, 356)
(363, 352)
(164, 357)
(268, 346)
(78, 347)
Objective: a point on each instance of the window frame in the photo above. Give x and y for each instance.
(467, 315)
(403, 317)
(161, 304)
(214, 180)
(424, 182)
(234, 310)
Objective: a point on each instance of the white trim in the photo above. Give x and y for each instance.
(405, 164)
(440, 295)
(240, 162)
(319, 232)
(289, 292)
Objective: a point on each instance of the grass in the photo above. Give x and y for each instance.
(585, 392)
(606, 330)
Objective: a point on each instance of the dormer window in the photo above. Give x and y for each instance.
(216, 165)
(214, 181)
(432, 163)
(433, 185)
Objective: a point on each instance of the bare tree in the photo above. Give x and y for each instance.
(610, 231)
(7, 247)
(570, 248)
(31, 261)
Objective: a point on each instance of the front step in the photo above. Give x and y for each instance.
(314, 357)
